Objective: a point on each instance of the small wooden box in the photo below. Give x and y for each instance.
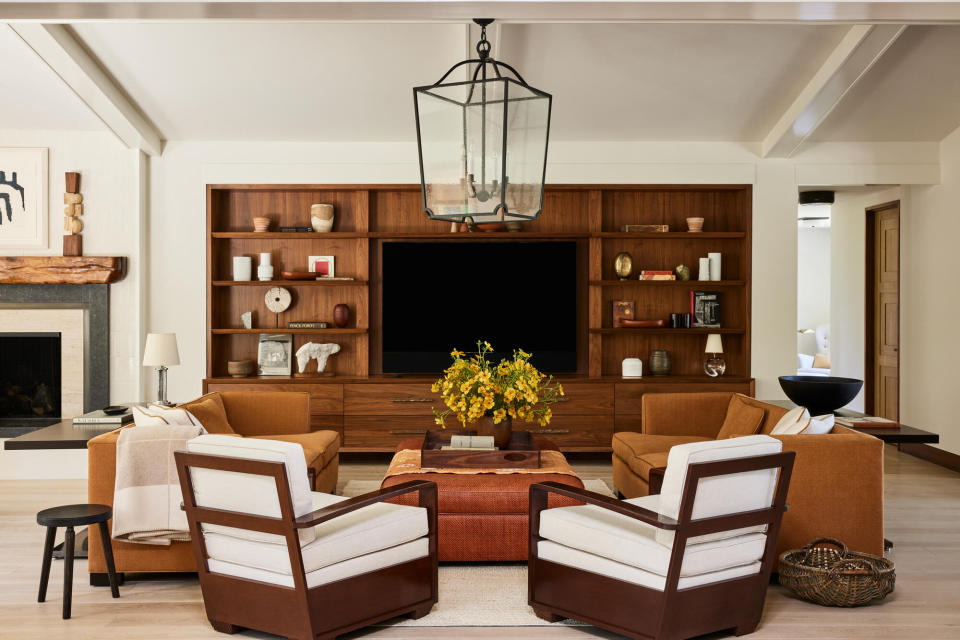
(521, 453)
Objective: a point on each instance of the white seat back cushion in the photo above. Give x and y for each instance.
(250, 493)
(719, 495)
(793, 421)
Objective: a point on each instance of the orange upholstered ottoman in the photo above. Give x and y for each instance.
(484, 516)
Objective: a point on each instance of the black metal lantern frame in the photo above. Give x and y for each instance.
(471, 135)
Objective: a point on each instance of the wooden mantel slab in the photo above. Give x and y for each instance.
(62, 269)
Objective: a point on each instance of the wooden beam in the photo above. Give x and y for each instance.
(857, 52)
(61, 270)
(56, 45)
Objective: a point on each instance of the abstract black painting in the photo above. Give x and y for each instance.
(23, 198)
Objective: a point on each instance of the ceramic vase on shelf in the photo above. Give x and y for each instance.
(704, 269)
(265, 270)
(659, 362)
(714, 259)
(242, 268)
(500, 432)
(341, 315)
(261, 224)
(631, 368)
(321, 217)
(623, 265)
(694, 225)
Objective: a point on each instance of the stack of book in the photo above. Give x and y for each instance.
(866, 422)
(99, 419)
(657, 275)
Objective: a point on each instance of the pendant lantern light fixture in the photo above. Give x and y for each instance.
(482, 142)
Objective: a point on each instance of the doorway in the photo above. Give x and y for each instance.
(882, 317)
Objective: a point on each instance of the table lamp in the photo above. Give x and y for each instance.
(160, 351)
(715, 365)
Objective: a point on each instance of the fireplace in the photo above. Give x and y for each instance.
(29, 381)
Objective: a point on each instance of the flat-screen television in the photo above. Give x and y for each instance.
(442, 295)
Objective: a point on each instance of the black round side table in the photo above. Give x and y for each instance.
(70, 516)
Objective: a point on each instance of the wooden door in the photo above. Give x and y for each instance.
(884, 302)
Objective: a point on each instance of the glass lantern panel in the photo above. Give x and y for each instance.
(440, 124)
(527, 130)
(484, 149)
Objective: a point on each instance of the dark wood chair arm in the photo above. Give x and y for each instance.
(611, 504)
(426, 488)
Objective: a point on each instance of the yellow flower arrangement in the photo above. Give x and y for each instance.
(474, 387)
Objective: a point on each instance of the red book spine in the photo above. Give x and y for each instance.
(648, 272)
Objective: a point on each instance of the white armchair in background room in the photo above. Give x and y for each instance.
(816, 364)
(274, 556)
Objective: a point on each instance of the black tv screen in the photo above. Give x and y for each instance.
(438, 296)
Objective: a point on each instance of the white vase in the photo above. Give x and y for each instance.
(265, 260)
(714, 259)
(242, 268)
(321, 217)
(265, 272)
(704, 269)
(632, 368)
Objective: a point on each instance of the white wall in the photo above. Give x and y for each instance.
(848, 280)
(813, 283)
(929, 305)
(109, 183)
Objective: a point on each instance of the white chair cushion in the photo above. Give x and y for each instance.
(595, 564)
(249, 493)
(367, 530)
(610, 535)
(331, 573)
(720, 495)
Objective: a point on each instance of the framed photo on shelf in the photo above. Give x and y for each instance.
(23, 197)
(275, 354)
(321, 265)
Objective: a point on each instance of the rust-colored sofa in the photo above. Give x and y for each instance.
(837, 484)
(270, 415)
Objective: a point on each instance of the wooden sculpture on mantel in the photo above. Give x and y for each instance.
(72, 210)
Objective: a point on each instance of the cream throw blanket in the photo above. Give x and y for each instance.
(146, 496)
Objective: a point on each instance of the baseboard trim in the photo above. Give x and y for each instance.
(932, 454)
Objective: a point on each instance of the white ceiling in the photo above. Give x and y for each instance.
(911, 94)
(32, 96)
(249, 81)
(352, 82)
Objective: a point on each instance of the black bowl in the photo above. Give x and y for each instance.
(115, 410)
(820, 394)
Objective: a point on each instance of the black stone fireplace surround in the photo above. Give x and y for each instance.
(94, 299)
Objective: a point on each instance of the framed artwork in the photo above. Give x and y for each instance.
(275, 354)
(321, 265)
(23, 198)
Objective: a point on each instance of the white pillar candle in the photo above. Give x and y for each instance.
(264, 259)
(242, 268)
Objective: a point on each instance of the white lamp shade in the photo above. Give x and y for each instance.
(714, 343)
(161, 350)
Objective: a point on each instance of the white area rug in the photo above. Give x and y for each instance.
(477, 594)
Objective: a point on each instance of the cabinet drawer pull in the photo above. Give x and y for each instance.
(411, 400)
(552, 431)
(408, 432)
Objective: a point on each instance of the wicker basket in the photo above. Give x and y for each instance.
(826, 573)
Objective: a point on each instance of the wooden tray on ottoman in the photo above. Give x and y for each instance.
(521, 453)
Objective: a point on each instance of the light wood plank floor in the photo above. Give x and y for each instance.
(922, 517)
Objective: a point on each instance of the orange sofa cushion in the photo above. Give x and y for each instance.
(210, 412)
(643, 452)
(741, 420)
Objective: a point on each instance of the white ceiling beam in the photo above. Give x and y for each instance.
(857, 52)
(523, 11)
(64, 54)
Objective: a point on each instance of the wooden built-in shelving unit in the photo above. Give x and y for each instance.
(590, 215)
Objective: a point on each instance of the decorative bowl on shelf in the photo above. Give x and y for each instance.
(261, 224)
(240, 368)
(627, 323)
(298, 275)
(492, 227)
(820, 394)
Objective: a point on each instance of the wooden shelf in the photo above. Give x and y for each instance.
(292, 235)
(705, 284)
(62, 269)
(671, 235)
(294, 331)
(289, 283)
(664, 331)
(481, 235)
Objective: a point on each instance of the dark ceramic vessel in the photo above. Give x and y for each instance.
(820, 394)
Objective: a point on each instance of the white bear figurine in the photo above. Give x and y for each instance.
(320, 351)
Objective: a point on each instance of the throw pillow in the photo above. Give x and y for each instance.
(793, 422)
(741, 420)
(209, 410)
(821, 361)
(155, 414)
(819, 425)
